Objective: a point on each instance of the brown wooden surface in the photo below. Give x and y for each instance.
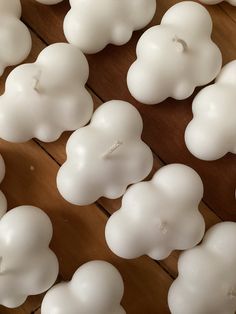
(79, 232)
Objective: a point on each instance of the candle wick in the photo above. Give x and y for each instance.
(114, 147)
(36, 82)
(181, 45)
(163, 227)
(232, 293)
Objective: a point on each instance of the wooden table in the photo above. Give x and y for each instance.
(79, 232)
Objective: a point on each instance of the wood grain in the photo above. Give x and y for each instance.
(79, 231)
(229, 10)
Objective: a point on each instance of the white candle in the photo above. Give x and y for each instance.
(15, 39)
(93, 24)
(158, 216)
(207, 275)
(45, 98)
(49, 2)
(96, 288)
(106, 156)
(27, 265)
(233, 2)
(212, 132)
(176, 56)
(3, 201)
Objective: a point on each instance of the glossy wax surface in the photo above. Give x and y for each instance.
(212, 132)
(175, 57)
(207, 275)
(96, 288)
(27, 265)
(93, 24)
(15, 38)
(45, 98)
(106, 156)
(158, 216)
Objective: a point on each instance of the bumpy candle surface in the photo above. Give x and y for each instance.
(27, 265)
(176, 56)
(45, 98)
(212, 132)
(207, 275)
(96, 288)
(92, 24)
(158, 216)
(15, 39)
(106, 156)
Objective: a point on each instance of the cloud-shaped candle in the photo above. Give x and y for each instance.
(27, 265)
(106, 156)
(212, 132)
(93, 24)
(158, 216)
(96, 288)
(176, 56)
(207, 275)
(45, 98)
(15, 39)
(3, 201)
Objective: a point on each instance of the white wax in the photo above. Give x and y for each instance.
(15, 38)
(106, 156)
(212, 132)
(176, 56)
(93, 24)
(27, 265)
(45, 98)
(207, 275)
(158, 216)
(96, 288)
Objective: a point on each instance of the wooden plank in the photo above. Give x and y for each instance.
(165, 123)
(229, 10)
